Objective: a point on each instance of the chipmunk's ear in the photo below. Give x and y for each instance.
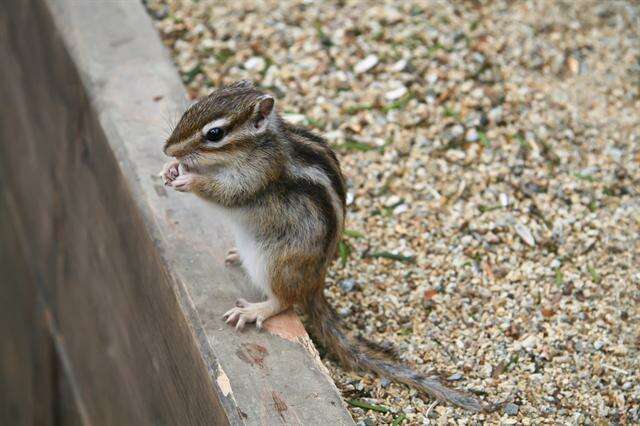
(263, 110)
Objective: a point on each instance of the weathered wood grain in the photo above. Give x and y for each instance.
(27, 357)
(95, 267)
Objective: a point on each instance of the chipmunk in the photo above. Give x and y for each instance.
(282, 190)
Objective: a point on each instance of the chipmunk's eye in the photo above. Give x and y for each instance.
(214, 134)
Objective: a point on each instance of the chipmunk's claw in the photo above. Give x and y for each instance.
(169, 172)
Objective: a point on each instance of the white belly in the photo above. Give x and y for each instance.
(253, 258)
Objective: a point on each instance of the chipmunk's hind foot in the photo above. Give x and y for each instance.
(233, 258)
(245, 312)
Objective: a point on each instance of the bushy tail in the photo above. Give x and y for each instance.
(356, 354)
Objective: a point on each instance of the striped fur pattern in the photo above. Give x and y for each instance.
(281, 188)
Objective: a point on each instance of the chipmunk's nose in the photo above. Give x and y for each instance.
(175, 150)
(167, 149)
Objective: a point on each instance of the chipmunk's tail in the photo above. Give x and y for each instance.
(355, 354)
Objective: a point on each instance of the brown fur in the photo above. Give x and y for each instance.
(286, 185)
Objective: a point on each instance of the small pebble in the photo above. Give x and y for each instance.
(400, 209)
(511, 409)
(392, 201)
(472, 135)
(487, 370)
(504, 199)
(525, 234)
(295, 118)
(347, 285)
(557, 233)
(350, 198)
(399, 66)
(495, 115)
(255, 63)
(344, 312)
(396, 93)
(454, 377)
(529, 342)
(366, 64)
(455, 155)
(454, 134)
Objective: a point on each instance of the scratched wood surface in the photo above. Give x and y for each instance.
(129, 277)
(26, 370)
(33, 386)
(109, 305)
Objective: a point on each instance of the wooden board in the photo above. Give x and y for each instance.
(129, 277)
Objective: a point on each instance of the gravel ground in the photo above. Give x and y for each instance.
(492, 150)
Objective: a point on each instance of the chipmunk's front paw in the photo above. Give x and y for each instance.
(184, 182)
(169, 171)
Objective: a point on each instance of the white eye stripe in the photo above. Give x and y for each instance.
(220, 122)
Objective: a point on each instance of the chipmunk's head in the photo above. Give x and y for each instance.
(220, 126)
